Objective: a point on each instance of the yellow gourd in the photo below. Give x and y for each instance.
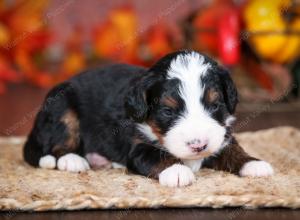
(267, 17)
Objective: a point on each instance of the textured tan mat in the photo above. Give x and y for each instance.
(26, 188)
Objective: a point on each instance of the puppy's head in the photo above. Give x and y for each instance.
(186, 102)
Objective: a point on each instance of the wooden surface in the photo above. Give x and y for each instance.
(19, 106)
(164, 214)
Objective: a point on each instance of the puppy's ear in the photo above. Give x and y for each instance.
(136, 100)
(229, 90)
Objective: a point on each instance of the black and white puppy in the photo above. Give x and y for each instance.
(165, 122)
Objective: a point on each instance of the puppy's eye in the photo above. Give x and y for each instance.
(167, 112)
(214, 107)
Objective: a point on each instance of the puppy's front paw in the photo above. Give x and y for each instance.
(256, 168)
(176, 175)
(73, 163)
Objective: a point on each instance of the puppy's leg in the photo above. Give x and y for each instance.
(235, 160)
(152, 162)
(67, 149)
(56, 134)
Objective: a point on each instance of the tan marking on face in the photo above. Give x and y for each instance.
(70, 120)
(170, 102)
(156, 130)
(212, 95)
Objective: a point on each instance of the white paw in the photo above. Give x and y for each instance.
(256, 168)
(73, 163)
(47, 162)
(176, 175)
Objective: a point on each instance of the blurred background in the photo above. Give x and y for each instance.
(44, 42)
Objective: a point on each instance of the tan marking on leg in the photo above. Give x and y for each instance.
(231, 158)
(70, 120)
(164, 163)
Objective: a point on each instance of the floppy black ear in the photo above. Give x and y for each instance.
(136, 105)
(229, 90)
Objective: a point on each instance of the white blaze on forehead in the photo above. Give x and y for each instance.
(189, 68)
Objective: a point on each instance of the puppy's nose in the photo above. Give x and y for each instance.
(197, 145)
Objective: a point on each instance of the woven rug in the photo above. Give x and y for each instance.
(25, 188)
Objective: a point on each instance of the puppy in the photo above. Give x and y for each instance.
(165, 122)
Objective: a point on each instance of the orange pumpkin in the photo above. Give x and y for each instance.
(117, 38)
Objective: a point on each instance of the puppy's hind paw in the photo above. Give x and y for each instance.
(256, 168)
(47, 162)
(73, 163)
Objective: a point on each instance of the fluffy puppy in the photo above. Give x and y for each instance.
(165, 122)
